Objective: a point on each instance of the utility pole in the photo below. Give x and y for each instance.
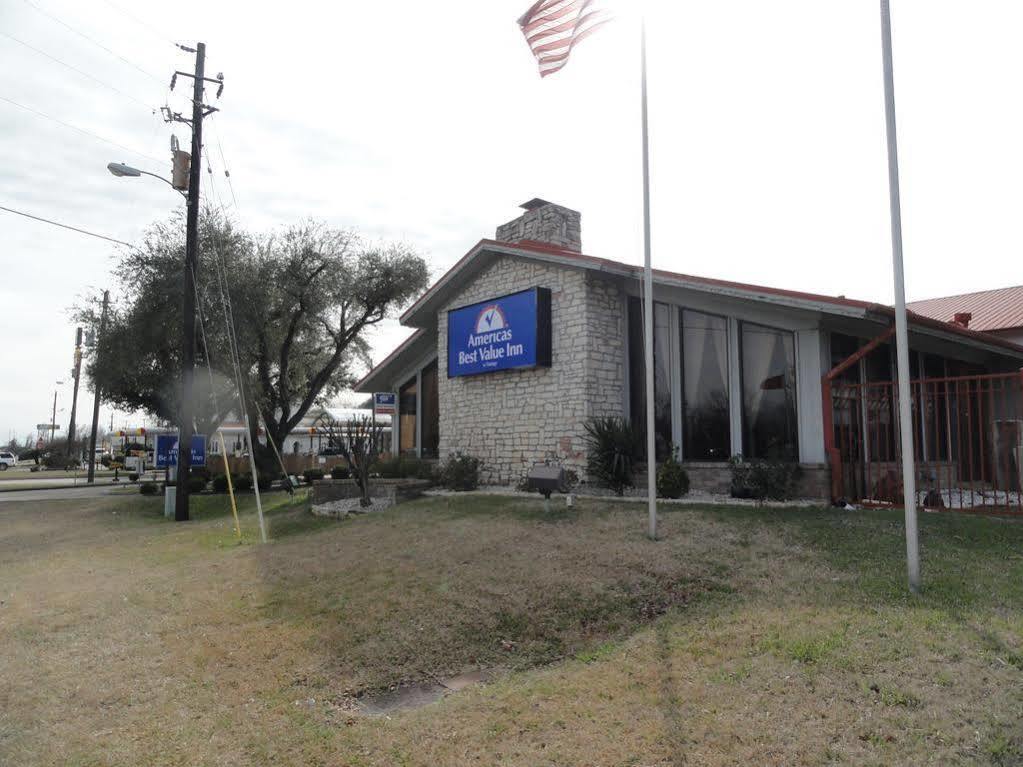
(53, 418)
(77, 373)
(185, 425)
(95, 398)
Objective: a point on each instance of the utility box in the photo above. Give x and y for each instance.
(547, 479)
(179, 170)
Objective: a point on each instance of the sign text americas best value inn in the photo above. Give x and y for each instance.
(504, 333)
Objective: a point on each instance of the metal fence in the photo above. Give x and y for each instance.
(967, 440)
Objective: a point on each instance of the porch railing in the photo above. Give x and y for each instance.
(967, 441)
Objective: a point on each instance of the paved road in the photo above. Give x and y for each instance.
(57, 494)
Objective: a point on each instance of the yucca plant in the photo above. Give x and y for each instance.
(611, 449)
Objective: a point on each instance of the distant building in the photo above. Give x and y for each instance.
(998, 311)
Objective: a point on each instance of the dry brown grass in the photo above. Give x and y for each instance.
(741, 638)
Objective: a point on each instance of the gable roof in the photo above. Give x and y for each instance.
(422, 313)
(999, 309)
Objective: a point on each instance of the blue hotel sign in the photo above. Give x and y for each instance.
(505, 333)
(167, 450)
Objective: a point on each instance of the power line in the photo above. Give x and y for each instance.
(75, 69)
(84, 36)
(66, 226)
(79, 130)
(148, 27)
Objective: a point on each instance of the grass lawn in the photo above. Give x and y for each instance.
(780, 637)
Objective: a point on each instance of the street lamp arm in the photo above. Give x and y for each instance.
(166, 181)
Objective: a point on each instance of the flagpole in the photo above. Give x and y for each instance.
(901, 323)
(648, 309)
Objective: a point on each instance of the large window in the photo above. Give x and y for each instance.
(705, 430)
(662, 376)
(770, 425)
(407, 416)
(431, 411)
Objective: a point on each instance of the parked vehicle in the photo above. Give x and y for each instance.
(7, 459)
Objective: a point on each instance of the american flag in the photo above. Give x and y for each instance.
(553, 27)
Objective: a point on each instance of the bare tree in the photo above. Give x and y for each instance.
(358, 440)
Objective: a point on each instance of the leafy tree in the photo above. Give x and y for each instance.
(302, 299)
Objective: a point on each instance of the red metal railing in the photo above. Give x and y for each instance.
(967, 441)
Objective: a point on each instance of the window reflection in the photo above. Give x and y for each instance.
(705, 430)
(769, 393)
(662, 376)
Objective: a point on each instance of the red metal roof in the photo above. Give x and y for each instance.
(1000, 309)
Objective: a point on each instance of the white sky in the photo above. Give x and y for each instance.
(427, 122)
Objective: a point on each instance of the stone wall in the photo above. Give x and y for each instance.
(512, 419)
(550, 223)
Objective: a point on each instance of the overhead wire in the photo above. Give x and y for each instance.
(66, 226)
(84, 132)
(89, 39)
(73, 68)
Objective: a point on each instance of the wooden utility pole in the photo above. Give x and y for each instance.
(77, 373)
(95, 398)
(185, 419)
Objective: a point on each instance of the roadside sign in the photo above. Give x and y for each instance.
(385, 403)
(48, 426)
(167, 450)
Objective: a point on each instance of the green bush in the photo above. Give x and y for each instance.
(106, 460)
(57, 461)
(133, 476)
(764, 480)
(460, 472)
(266, 480)
(312, 475)
(220, 483)
(340, 472)
(403, 467)
(611, 449)
(149, 488)
(200, 471)
(196, 485)
(672, 479)
(242, 482)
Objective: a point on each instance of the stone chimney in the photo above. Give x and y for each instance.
(962, 319)
(544, 222)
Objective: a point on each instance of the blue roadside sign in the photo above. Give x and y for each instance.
(385, 403)
(167, 450)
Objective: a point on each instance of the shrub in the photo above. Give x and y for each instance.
(201, 472)
(220, 483)
(266, 480)
(149, 488)
(134, 476)
(340, 472)
(57, 461)
(196, 485)
(460, 472)
(311, 475)
(106, 460)
(764, 480)
(403, 466)
(611, 447)
(672, 479)
(242, 482)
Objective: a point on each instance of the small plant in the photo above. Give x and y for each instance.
(266, 481)
(149, 488)
(220, 483)
(611, 447)
(672, 479)
(242, 481)
(460, 472)
(196, 485)
(764, 480)
(340, 472)
(312, 475)
(133, 476)
(106, 460)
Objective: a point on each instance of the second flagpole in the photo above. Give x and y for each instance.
(648, 307)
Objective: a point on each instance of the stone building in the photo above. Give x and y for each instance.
(738, 368)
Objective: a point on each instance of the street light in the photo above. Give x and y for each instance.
(121, 170)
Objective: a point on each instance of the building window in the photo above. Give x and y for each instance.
(770, 423)
(431, 411)
(662, 376)
(705, 430)
(407, 416)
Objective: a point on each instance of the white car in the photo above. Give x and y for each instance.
(7, 459)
